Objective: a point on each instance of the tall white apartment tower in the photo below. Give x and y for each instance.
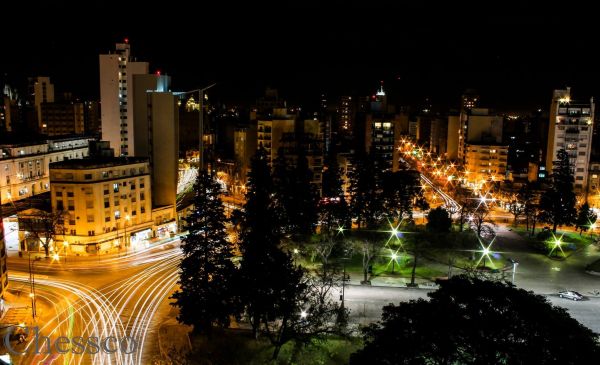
(571, 125)
(116, 83)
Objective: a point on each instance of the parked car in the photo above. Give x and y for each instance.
(569, 294)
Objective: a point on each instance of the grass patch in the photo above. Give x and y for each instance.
(234, 347)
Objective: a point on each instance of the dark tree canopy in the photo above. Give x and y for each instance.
(438, 220)
(206, 296)
(333, 209)
(401, 190)
(367, 203)
(471, 321)
(585, 218)
(557, 204)
(267, 276)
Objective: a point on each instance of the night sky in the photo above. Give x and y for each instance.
(514, 54)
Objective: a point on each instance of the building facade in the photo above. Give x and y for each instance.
(43, 92)
(106, 204)
(116, 81)
(571, 128)
(24, 167)
(485, 163)
(62, 118)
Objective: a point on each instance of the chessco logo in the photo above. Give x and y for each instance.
(76, 345)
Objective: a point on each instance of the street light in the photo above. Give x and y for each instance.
(125, 243)
(32, 284)
(394, 256)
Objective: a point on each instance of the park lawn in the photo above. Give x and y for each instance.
(234, 347)
(571, 242)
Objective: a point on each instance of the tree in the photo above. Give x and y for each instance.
(438, 220)
(206, 273)
(366, 205)
(369, 245)
(400, 190)
(309, 313)
(304, 198)
(283, 190)
(295, 196)
(467, 206)
(557, 204)
(480, 222)
(585, 218)
(416, 245)
(44, 227)
(516, 207)
(333, 208)
(471, 321)
(267, 277)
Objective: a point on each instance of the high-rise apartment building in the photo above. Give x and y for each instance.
(116, 82)
(478, 125)
(62, 118)
(156, 127)
(43, 92)
(571, 127)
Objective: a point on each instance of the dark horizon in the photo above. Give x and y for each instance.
(514, 59)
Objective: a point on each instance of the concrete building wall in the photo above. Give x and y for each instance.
(164, 146)
(486, 162)
(43, 92)
(453, 137)
(24, 169)
(104, 203)
(571, 129)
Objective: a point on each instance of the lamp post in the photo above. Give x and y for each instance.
(127, 218)
(65, 245)
(394, 256)
(32, 286)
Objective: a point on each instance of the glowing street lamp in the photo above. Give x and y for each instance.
(394, 257)
(303, 314)
(485, 253)
(556, 244)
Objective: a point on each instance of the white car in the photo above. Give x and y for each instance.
(569, 294)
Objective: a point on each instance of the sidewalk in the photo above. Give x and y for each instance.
(389, 280)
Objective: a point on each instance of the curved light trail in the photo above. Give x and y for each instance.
(121, 308)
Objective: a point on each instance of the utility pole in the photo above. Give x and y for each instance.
(32, 283)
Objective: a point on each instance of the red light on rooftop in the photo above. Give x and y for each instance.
(158, 73)
(126, 40)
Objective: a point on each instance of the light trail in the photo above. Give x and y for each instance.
(125, 307)
(447, 199)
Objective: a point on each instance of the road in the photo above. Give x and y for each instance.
(111, 297)
(366, 302)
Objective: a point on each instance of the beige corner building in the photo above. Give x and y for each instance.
(107, 205)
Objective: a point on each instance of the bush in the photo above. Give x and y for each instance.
(544, 235)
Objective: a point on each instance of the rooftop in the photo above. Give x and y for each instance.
(21, 140)
(97, 162)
